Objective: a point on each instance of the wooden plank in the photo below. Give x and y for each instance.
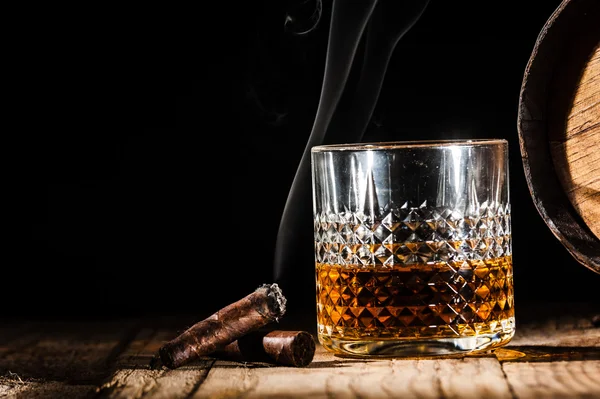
(330, 376)
(133, 378)
(13, 337)
(72, 352)
(564, 330)
(573, 379)
(13, 388)
(560, 356)
(60, 357)
(543, 338)
(472, 378)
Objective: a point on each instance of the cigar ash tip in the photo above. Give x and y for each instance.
(277, 302)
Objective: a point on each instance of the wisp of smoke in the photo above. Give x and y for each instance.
(304, 17)
(388, 21)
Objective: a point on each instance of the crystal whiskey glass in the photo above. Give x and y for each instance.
(413, 247)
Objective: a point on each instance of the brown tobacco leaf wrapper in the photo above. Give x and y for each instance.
(289, 348)
(250, 313)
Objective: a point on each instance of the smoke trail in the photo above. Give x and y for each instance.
(388, 21)
(304, 17)
(348, 21)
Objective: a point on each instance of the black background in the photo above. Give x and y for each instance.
(158, 147)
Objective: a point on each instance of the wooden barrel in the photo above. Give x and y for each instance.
(559, 127)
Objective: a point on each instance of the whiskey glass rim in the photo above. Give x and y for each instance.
(393, 145)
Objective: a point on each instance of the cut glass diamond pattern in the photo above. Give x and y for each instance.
(423, 234)
(424, 271)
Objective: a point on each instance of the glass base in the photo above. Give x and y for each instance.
(414, 347)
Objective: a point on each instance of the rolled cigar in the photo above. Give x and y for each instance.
(250, 313)
(288, 348)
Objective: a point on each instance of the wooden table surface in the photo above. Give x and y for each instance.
(555, 354)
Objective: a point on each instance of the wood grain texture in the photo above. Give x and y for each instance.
(560, 353)
(15, 389)
(557, 110)
(59, 359)
(132, 377)
(573, 379)
(556, 353)
(329, 376)
(75, 353)
(576, 151)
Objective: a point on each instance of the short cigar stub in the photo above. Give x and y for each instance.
(292, 348)
(285, 348)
